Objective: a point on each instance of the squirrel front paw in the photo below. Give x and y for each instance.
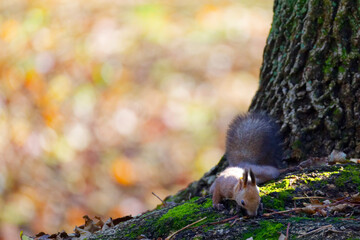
(219, 206)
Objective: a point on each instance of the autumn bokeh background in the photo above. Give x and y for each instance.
(104, 102)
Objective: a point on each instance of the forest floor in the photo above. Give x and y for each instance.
(316, 203)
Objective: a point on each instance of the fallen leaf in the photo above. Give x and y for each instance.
(311, 209)
(340, 207)
(90, 225)
(99, 222)
(83, 234)
(315, 201)
(355, 198)
(108, 224)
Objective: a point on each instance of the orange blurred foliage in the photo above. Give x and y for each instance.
(123, 172)
(103, 102)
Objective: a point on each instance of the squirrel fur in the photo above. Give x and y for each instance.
(253, 146)
(233, 183)
(253, 141)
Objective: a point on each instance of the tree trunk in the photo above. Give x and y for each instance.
(310, 76)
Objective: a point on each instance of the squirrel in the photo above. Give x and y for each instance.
(233, 183)
(253, 146)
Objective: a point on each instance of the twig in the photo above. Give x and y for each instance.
(280, 212)
(238, 219)
(164, 203)
(169, 237)
(297, 198)
(287, 231)
(339, 201)
(269, 209)
(317, 230)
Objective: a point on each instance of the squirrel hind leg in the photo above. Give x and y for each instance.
(216, 197)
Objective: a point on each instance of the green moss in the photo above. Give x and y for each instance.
(328, 65)
(349, 173)
(182, 215)
(227, 225)
(296, 144)
(266, 230)
(275, 195)
(198, 238)
(273, 202)
(283, 192)
(208, 228)
(318, 177)
(276, 187)
(320, 20)
(341, 69)
(337, 114)
(174, 219)
(182, 210)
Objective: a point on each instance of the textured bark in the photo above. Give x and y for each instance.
(310, 76)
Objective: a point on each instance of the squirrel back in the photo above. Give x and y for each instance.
(253, 138)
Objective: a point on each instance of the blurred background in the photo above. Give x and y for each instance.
(104, 101)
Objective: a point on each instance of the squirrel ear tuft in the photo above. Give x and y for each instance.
(245, 177)
(253, 179)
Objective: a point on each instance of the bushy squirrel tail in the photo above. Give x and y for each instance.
(254, 138)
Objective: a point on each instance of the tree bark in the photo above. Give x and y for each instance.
(310, 76)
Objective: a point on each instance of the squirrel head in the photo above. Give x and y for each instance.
(246, 193)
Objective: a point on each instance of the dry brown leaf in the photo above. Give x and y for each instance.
(311, 209)
(355, 198)
(322, 212)
(90, 226)
(99, 222)
(83, 234)
(315, 201)
(340, 207)
(108, 224)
